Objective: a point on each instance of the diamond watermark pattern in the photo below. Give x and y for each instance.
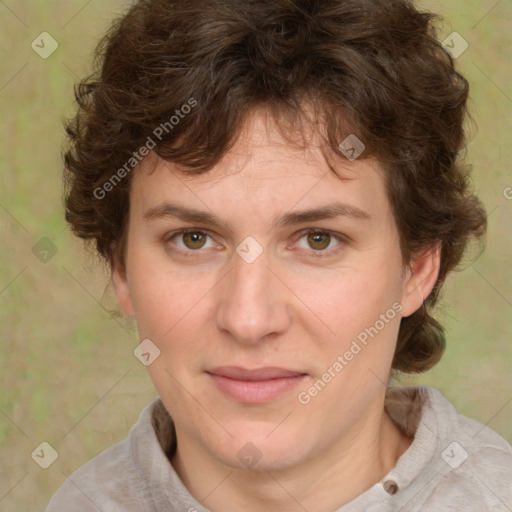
(249, 455)
(352, 147)
(249, 250)
(45, 455)
(44, 250)
(44, 45)
(455, 45)
(146, 352)
(454, 455)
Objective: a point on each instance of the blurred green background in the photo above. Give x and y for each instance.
(67, 371)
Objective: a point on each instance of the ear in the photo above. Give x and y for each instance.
(122, 289)
(421, 276)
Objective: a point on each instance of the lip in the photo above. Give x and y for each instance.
(256, 386)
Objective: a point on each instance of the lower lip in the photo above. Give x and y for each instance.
(256, 392)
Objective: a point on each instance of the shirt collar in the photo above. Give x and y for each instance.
(153, 444)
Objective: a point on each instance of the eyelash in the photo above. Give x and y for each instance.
(342, 239)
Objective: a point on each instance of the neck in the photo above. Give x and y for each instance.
(356, 462)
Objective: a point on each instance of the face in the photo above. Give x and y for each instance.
(275, 327)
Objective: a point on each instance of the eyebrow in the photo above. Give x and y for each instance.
(329, 211)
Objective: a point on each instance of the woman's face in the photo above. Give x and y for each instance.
(276, 315)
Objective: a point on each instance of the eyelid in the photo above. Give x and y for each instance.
(341, 238)
(169, 236)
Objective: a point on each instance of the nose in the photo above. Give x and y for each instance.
(254, 303)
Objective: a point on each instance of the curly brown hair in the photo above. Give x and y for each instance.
(369, 67)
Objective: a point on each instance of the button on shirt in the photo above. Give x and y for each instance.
(453, 464)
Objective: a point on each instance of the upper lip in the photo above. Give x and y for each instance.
(238, 373)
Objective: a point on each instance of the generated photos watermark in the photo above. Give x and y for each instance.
(304, 397)
(137, 156)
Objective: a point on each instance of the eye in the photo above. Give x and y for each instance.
(322, 241)
(318, 242)
(191, 239)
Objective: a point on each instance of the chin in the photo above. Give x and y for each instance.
(260, 451)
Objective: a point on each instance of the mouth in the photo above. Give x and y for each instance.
(256, 386)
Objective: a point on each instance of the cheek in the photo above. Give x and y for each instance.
(354, 300)
(163, 300)
(170, 311)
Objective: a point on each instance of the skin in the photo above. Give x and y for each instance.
(208, 307)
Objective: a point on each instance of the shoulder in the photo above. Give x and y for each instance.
(97, 483)
(108, 482)
(481, 442)
(475, 462)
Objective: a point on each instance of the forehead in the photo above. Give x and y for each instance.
(263, 170)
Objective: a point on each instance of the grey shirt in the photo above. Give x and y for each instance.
(453, 464)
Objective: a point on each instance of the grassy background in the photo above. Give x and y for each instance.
(67, 372)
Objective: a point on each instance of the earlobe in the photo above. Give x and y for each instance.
(421, 279)
(122, 290)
